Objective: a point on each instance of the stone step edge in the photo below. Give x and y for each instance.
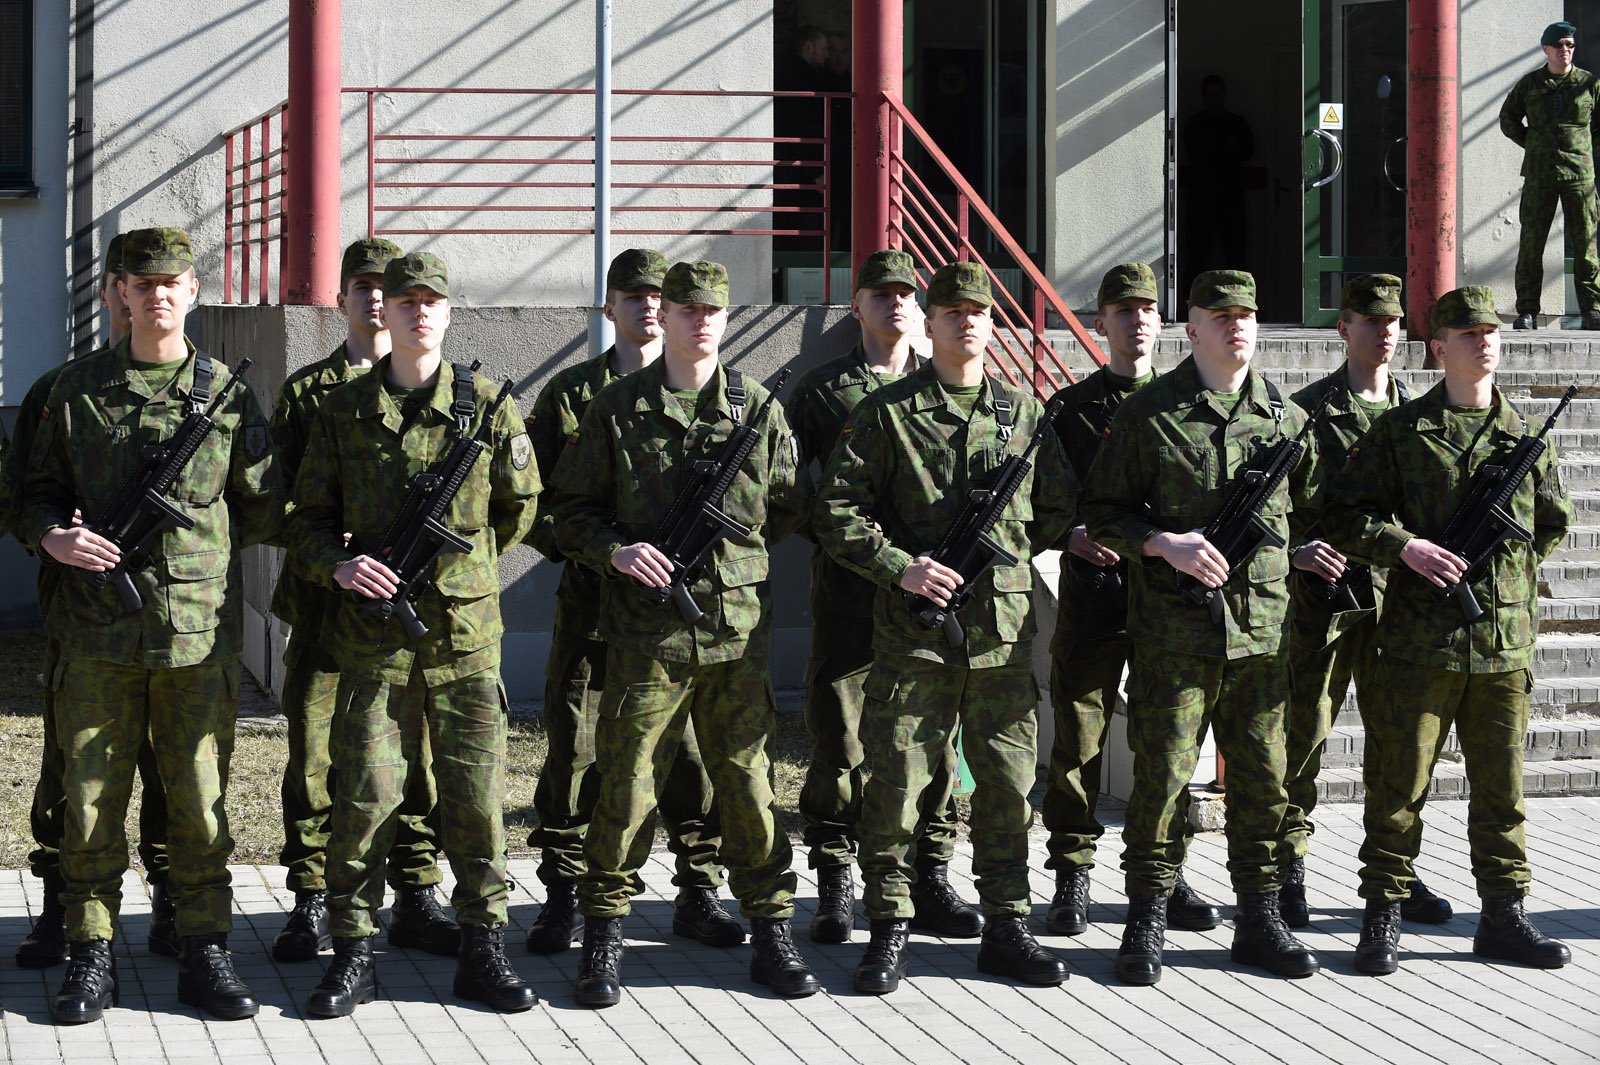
(1545, 741)
(1578, 776)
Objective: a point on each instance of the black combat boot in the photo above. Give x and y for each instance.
(46, 944)
(776, 962)
(1378, 951)
(1525, 320)
(938, 908)
(89, 986)
(1260, 938)
(206, 979)
(350, 981)
(163, 938)
(559, 923)
(698, 915)
(1292, 896)
(417, 919)
(1009, 949)
(835, 918)
(1506, 934)
(1144, 936)
(1423, 906)
(484, 973)
(1069, 910)
(600, 972)
(1187, 911)
(883, 965)
(305, 933)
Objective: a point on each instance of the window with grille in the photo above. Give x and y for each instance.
(16, 93)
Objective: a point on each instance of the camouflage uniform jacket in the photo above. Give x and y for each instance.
(556, 415)
(1406, 479)
(298, 599)
(98, 418)
(1173, 456)
(1562, 122)
(357, 471)
(1082, 425)
(898, 480)
(1344, 422)
(621, 472)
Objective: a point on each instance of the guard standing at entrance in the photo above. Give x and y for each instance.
(1551, 113)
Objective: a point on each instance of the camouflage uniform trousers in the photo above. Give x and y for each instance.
(1581, 211)
(913, 708)
(310, 690)
(49, 798)
(1173, 698)
(569, 783)
(1418, 704)
(378, 740)
(647, 707)
(830, 798)
(103, 712)
(1319, 677)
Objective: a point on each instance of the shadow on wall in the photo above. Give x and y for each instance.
(1099, 99)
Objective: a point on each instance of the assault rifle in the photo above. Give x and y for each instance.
(695, 523)
(1483, 521)
(1238, 530)
(138, 514)
(967, 546)
(417, 536)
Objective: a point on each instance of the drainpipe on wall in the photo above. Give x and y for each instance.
(600, 334)
(85, 336)
(311, 267)
(1432, 159)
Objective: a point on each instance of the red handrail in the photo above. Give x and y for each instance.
(255, 205)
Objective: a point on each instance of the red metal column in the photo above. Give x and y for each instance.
(879, 32)
(312, 265)
(1432, 163)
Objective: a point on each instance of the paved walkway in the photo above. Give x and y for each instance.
(687, 1003)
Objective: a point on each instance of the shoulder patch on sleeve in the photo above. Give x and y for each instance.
(521, 451)
(257, 438)
(572, 441)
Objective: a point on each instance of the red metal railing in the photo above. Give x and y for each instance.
(255, 161)
(921, 223)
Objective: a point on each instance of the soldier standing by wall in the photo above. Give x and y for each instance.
(170, 668)
(575, 674)
(1091, 644)
(885, 303)
(1552, 113)
(311, 679)
(1391, 506)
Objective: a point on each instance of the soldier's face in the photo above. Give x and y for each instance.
(693, 330)
(1223, 335)
(157, 303)
(418, 318)
(361, 302)
(961, 329)
(887, 311)
(1559, 56)
(119, 320)
(1469, 354)
(1370, 339)
(636, 313)
(1131, 327)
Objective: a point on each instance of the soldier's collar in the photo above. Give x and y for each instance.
(377, 403)
(653, 394)
(1431, 410)
(120, 370)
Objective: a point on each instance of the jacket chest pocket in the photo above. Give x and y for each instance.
(1186, 476)
(206, 475)
(647, 485)
(928, 486)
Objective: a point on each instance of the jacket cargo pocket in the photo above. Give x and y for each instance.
(1013, 602)
(1515, 609)
(197, 590)
(742, 582)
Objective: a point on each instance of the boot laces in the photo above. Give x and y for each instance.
(1514, 921)
(309, 911)
(1075, 892)
(426, 903)
(216, 962)
(602, 954)
(1147, 931)
(489, 956)
(885, 946)
(1381, 926)
(346, 969)
(777, 941)
(836, 893)
(86, 969)
(1269, 923)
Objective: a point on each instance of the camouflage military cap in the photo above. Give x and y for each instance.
(697, 282)
(418, 269)
(113, 256)
(1377, 295)
(636, 268)
(1130, 281)
(1557, 31)
(1216, 289)
(369, 255)
(1463, 308)
(954, 282)
(157, 252)
(887, 268)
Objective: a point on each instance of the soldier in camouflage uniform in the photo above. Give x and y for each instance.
(1091, 644)
(46, 944)
(841, 634)
(1405, 481)
(370, 441)
(170, 668)
(904, 467)
(311, 675)
(575, 672)
(1553, 113)
(1175, 452)
(620, 474)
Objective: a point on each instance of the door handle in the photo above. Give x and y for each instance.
(1387, 174)
(1323, 138)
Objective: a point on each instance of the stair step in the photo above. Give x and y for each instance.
(1569, 614)
(1569, 580)
(1567, 655)
(1576, 776)
(1545, 741)
(1582, 544)
(1555, 699)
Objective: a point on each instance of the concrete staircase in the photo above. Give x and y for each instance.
(1563, 741)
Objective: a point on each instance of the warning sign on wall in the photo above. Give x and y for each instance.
(1330, 116)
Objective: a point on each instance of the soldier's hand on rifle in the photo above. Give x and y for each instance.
(1432, 561)
(79, 547)
(929, 579)
(1079, 544)
(1190, 553)
(644, 563)
(366, 576)
(1320, 558)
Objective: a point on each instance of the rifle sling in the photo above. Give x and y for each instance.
(200, 391)
(463, 403)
